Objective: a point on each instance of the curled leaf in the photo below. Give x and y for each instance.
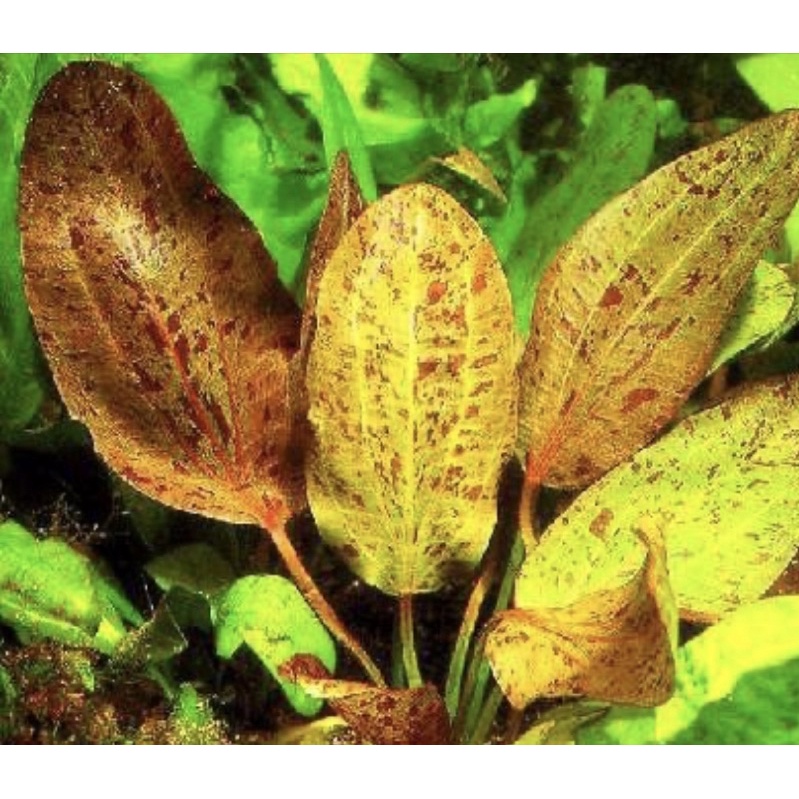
(724, 485)
(467, 163)
(412, 389)
(155, 301)
(628, 316)
(593, 618)
(379, 715)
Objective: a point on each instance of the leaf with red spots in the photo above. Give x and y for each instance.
(155, 301)
(345, 204)
(723, 484)
(377, 715)
(466, 162)
(412, 389)
(594, 617)
(628, 316)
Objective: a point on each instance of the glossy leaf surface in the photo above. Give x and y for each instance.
(593, 617)
(166, 328)
(270, 616)
(412, 392)
(628, 316)
(723, 484)
(379, 715)
(737, 683)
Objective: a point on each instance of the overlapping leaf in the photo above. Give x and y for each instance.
(613, 154)
(737, 682)
(765, 312)
(270, 616)
(378, 715)
(160, 312)
(724, 485)
(412, 392)
(594, 617)
(628, 316)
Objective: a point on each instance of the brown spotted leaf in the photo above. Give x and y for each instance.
(155, 301)
(628, 316)
(378, 715)
(594, 617)
(412, 388)
(345, 204)
(466, 162)
(724, 484)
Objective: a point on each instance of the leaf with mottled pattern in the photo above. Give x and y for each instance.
(379, 715)
(412, 388)
(593, 616)
(155, 301)
(724, 484)
(628, 316)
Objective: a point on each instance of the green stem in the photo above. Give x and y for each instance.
(398, 678)
(457, 664)
(409, 658)
(482, 729)
(483, 670)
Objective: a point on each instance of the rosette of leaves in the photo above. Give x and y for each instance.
(394, 401)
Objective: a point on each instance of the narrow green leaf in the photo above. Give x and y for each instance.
(341, 130)
(270, 616)
(774, 77)
(737, 682)
(762, 316)
(588, 91)
(614, 154)
(49, 590)
(197, 568)
(723, 483)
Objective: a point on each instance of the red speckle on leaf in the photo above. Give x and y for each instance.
(612, 296)
(637, 397)
(435, 291)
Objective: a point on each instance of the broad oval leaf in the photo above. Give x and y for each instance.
(628, 316)
(270, 616)
(383, 716)
(156, 303)
(723, 483)
(593, 616)
(412, 391)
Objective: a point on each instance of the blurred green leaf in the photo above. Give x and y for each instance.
(762, 316)
(487, 121)
(49, 590)
(614, 153)
(737, 682)
(774, 77)
(341, 131)
(588, 91)
(270, 616)
(197, 568)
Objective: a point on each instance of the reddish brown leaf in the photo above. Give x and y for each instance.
(378, 715)
(628, 315)
(156, 303)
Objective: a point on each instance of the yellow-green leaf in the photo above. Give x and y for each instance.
(628, 316)
(412, 389)
(763, 313)
(724, 483)
(466, 162)
(594, 617)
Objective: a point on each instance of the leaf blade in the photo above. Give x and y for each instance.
(117, 238)
(411, 333)
(639, 298)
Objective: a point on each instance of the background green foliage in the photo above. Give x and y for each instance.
(561, 134)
